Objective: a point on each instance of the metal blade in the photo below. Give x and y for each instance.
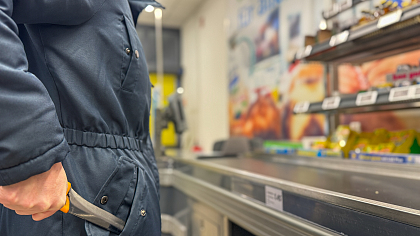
(87, 211)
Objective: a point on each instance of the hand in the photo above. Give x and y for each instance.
(40, 195)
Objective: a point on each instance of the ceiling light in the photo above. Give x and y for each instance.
(180, 90)
(149, 8)
(323, 25)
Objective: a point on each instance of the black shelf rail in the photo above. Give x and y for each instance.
(348, 105)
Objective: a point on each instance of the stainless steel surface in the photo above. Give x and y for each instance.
(87, 211)
(394, 190)
(254, 217)
(165, 177)
(390, 197)
(354, 166)
(170, 225)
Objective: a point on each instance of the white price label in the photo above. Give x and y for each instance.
(300, 53)
(389, 19)
(274, 198)
(339, 38)
(366, 98)
(400, 94)
(301, 107)
(415, 91)
(331, 103)
(308, 50)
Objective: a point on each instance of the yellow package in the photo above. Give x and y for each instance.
(319, 145)
(361, 144)
(380, 148)
(380, 136)
(362, 140)
(342, 140)
(405, 141)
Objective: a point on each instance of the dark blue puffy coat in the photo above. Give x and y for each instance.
(74, 88)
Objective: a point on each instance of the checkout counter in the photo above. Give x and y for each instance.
(266, 194)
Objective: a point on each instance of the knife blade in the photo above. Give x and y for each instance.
(78, 206)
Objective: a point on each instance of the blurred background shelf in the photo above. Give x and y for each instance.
(348, 105)
(368, 42)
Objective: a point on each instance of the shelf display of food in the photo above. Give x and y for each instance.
(386, 7)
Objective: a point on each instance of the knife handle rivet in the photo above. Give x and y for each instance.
(143, 212)
(104, 200)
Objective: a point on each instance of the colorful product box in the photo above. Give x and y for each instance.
(388, 158)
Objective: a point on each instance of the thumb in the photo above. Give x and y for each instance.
(2, 194)
(43, 215)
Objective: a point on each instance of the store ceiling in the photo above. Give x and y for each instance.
(175, 13)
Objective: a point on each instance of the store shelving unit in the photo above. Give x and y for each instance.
(348, 104)
(387, 36)
(394, 33)
(345, 6)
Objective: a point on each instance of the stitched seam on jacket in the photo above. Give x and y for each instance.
(99, 8)
(90, 146)
(117, 135)
(48, 67)
(49, 71)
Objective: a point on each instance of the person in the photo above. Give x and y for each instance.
(74, 106)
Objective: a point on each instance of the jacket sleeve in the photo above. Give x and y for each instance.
(31, 138)
(61, 12)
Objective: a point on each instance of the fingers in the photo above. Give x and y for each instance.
(33, 210)
(40, 195)
(41, 216)
(36, 206)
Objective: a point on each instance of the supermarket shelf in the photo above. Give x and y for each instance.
(348, 105)
(327, 15)
(368, 42)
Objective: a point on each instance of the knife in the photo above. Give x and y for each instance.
(78, 206)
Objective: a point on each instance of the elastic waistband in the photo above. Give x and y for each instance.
(102, 140)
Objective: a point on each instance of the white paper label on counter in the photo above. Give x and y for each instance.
(366, 98)
(389, 19)
(301, 107)
(400, 94)
(331, 103)
(274, 198)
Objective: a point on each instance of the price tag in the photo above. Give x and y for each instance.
(366, 98)
(308, 50)
(331, 103)
(389, 19)
(415, 91)
(274, 198)
(301, 107)
(300, 53)
(339, 38)
(399, 94)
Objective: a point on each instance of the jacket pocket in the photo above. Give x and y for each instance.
(118, 193)
(134, 64)
(127, 50)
